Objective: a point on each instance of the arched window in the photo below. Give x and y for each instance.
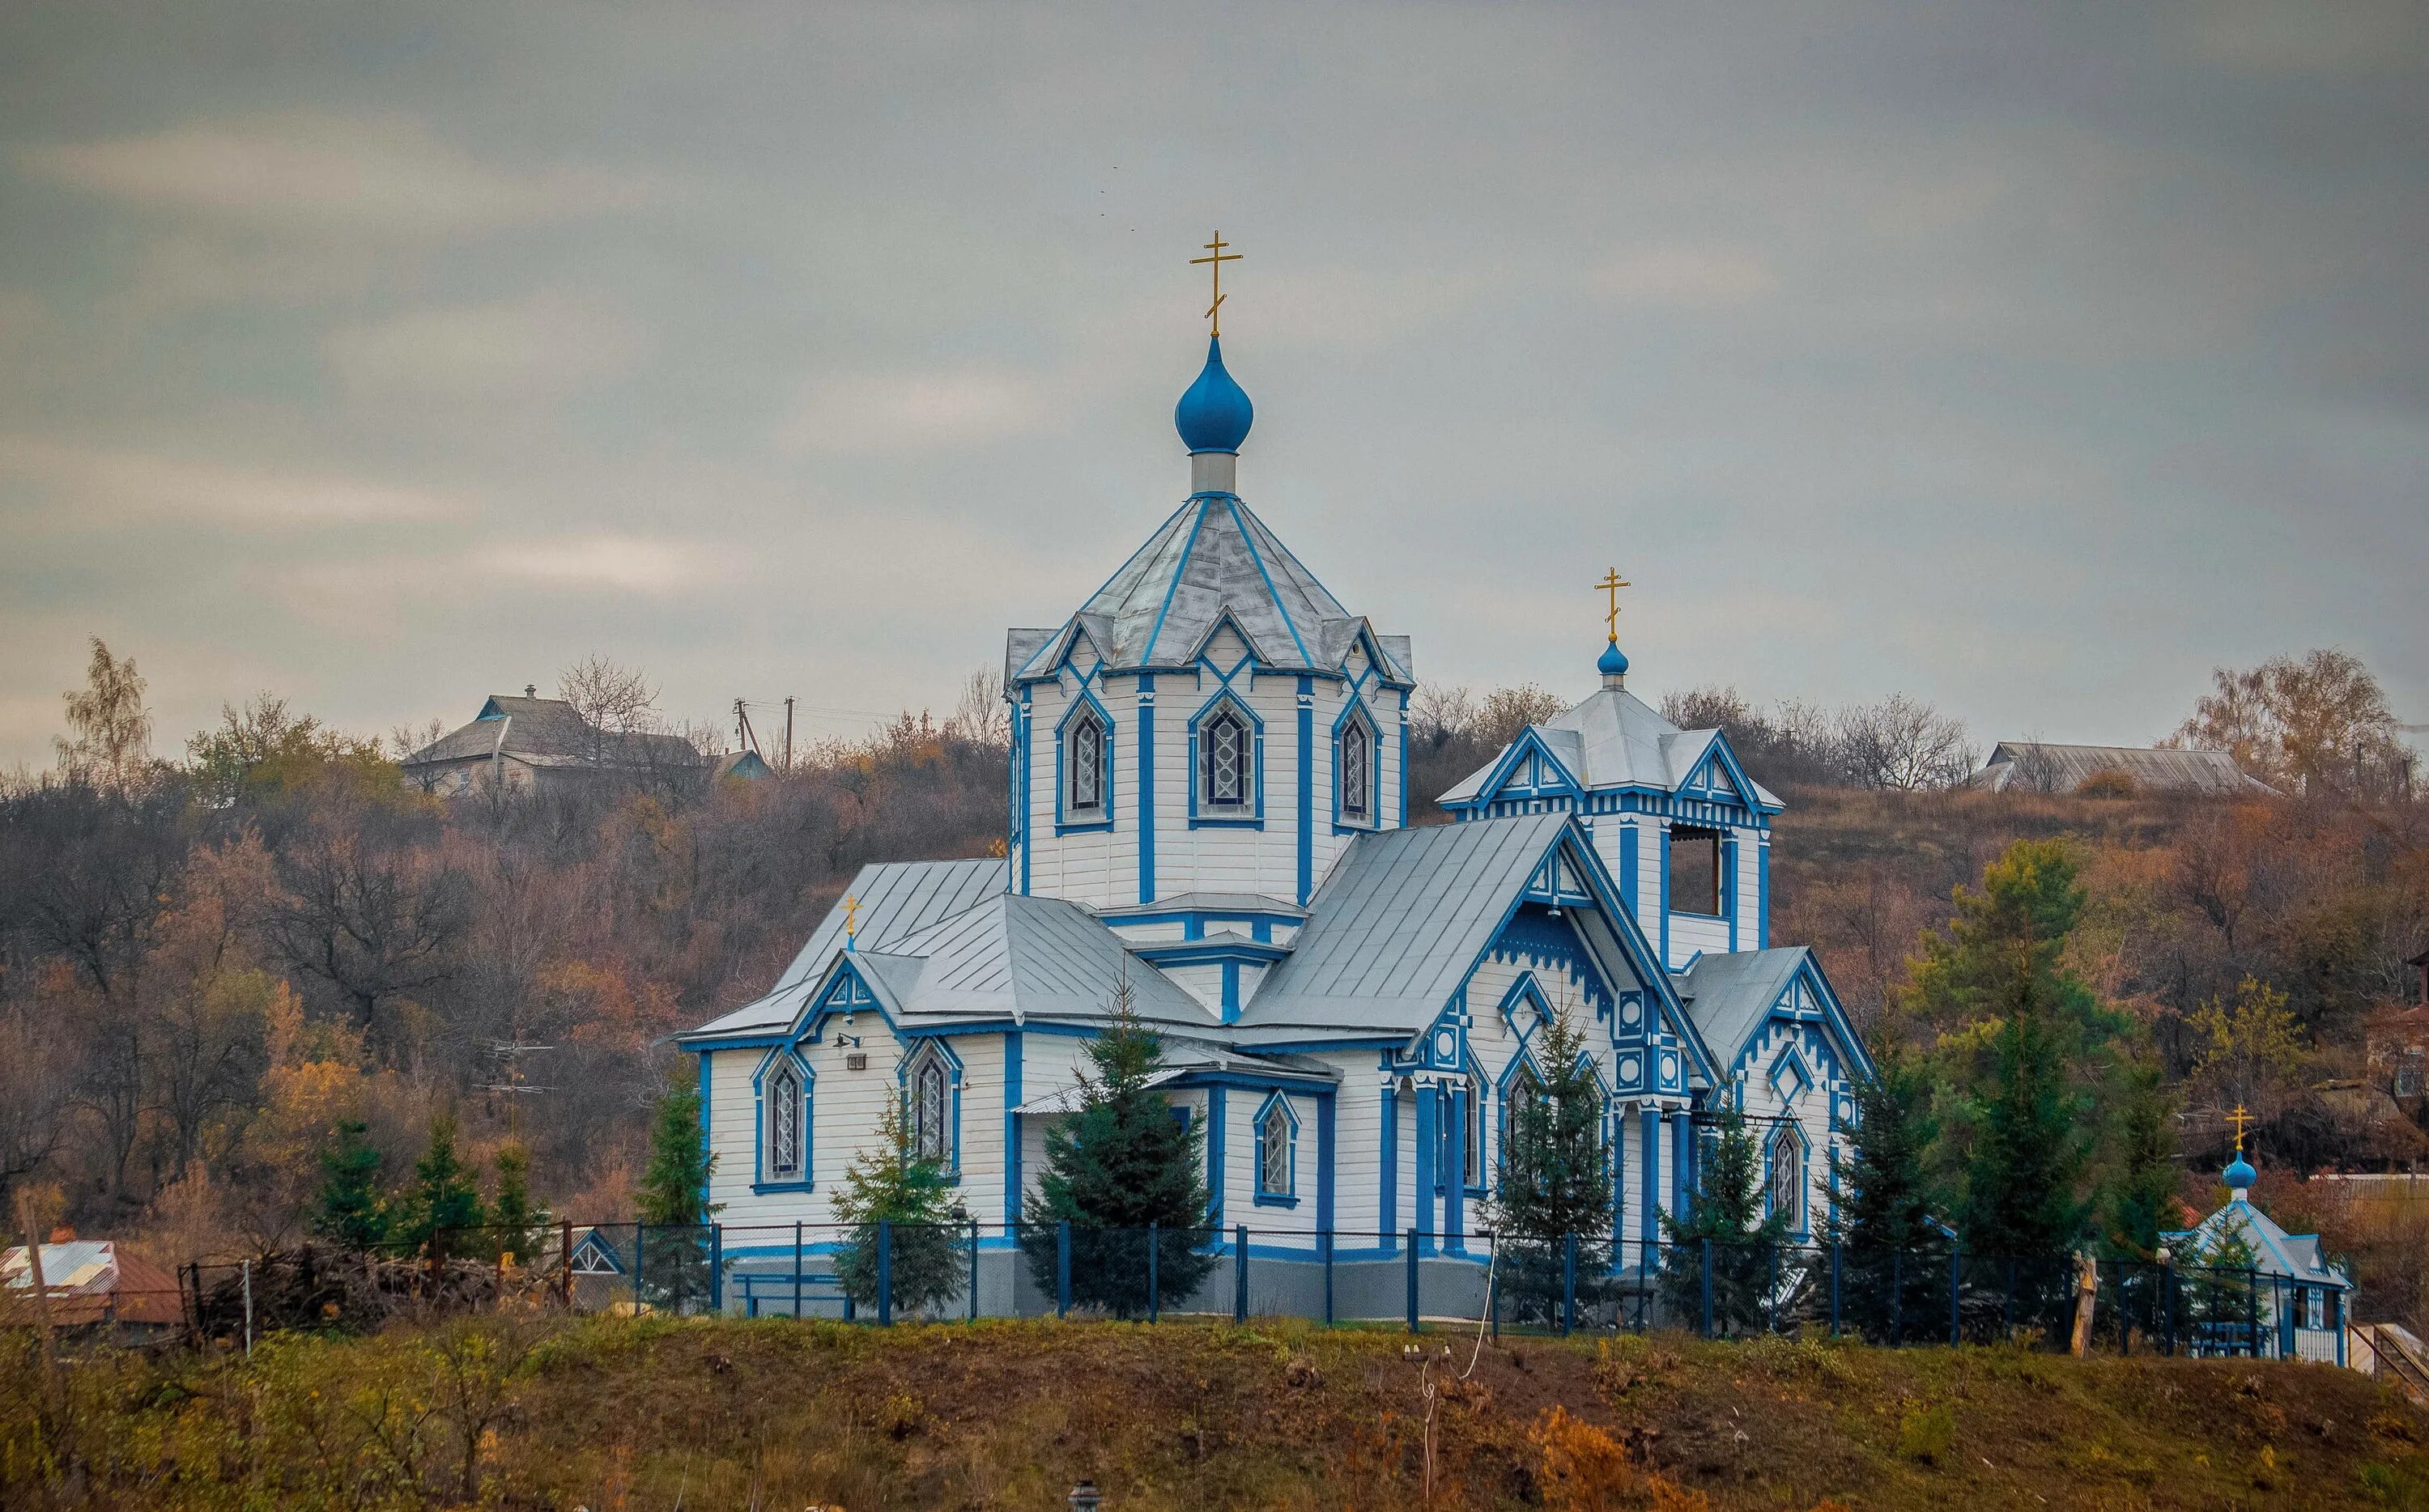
(1276, 1166)
(1357, 760)
(784, 1111)
(1084, 759)
(1786, 1193)
(1225, 775)
(929, 1090)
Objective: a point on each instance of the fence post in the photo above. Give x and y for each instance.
(797, 1272)
(1771, 1297)
(1154, 1296)
(1413, 1280)
(1240, 1274)
(2168, 1304)
(1326, 1238)
(1897, 1298)
(1568, 1283)
(1062, 1268)
(716, 1268)
(2012, 1301)
(565, 1262)
(2252, 1311)
(974, 1270)
(1955, 1283)
(884, 1272)
(640, 1232)
(1835, 1256)
(1707, 1289)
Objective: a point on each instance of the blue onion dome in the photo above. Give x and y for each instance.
(2239, 1176)
(1214, 414)
(1614, 662)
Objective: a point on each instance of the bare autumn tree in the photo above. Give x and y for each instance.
(980, 715)
(374, 924)
(110, 744)
(611, 698)
(1903, 744)
(2318, 724)
(1505, 712)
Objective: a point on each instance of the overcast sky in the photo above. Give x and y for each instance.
(2030, 359)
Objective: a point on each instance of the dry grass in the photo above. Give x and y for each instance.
(712, 1414)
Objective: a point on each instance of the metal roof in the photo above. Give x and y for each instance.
(547, 733)
(1023, 958)
(2038, 766)
(1615, 739)
(1393, 931)
(1212, 560)
(1729, 995)
(2274, 1251)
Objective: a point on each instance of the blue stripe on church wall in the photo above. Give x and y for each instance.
(1762, 896)
(1012, 1179)
(1627, 842)
(1147, 786)
(1404, 758)
(1324, 1161)
(1215, 1155)
(1454, 1173)
(1306, 787)
(1651, 1118)
(1387, 1201)
(1425, 1214)
(1729, 887)
(1682, 1162)
(705, 1138)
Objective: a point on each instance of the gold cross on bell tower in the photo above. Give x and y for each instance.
(2239, 1118)
(1610, 585)
(1217, 257)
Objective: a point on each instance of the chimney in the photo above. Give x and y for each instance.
(531, 690)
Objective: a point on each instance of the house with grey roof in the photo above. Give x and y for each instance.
(2045, 766)
(531, 744)
(1209, 821)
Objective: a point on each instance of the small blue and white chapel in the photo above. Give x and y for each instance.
(1210, 803)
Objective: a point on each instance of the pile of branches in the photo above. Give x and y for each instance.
(313, 1287)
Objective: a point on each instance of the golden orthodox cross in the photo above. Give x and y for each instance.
(851, 918)
(1218, 257)
(2239, 1118)
(1610, 585)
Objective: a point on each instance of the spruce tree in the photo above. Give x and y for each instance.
(2138, 1198)
(673, 1202)
(1748, 1266)
(1121, 1162)
(927, 1261)
(514, 1222)
(1891, 1245)
(2028, 1159)
(351, 1213)
(443, 1200)
(1554, 1180)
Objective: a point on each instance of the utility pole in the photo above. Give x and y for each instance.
(745, 737)
(788, 733)
(510, 1079)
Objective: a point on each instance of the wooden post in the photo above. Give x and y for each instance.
(2086, 1288)
(565, 1262)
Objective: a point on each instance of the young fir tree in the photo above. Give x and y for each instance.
(514, 1222)
(1119, 1163)
(1728, 1208)
(926, 1236)
(2025, 1045)
(443, 1200)
(1891, 1248)
(2219, 1296)
(351, 1213)
(1554, 1180)
(2138, 1198)
(675, 1212)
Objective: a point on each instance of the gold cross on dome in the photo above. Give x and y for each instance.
(1610, 585)
(851, 918)
(2239, 1118)
(1218, 257)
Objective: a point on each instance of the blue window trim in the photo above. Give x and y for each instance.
(1485, 1152)
(921, 1049)
(1788, 1063)
(1354, 708)
(1103, 818)
(760, 1180)
(1804, 1176)
(1265, 1197)
(1203, 816)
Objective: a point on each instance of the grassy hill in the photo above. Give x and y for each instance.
(611, 1414)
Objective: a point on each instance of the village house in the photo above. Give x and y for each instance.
(2113, 771)
(531, 744)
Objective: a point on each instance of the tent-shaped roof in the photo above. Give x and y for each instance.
(1730, 993)
(2274, 1252)
(1210, 561)
(1612, 740)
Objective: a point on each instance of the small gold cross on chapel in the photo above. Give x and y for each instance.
(851, 918)
(1610, 585)
(1217, 257)
(2239, 1118)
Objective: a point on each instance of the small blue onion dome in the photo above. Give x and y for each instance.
(2239, 1176)
(1614, 662)
(1214, 414)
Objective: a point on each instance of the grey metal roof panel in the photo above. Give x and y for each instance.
(1208, 903)
(1035, 957)
(1728, 995)
(898, 898)
(1615, 739)
(1394, 929)
(2044, 766)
